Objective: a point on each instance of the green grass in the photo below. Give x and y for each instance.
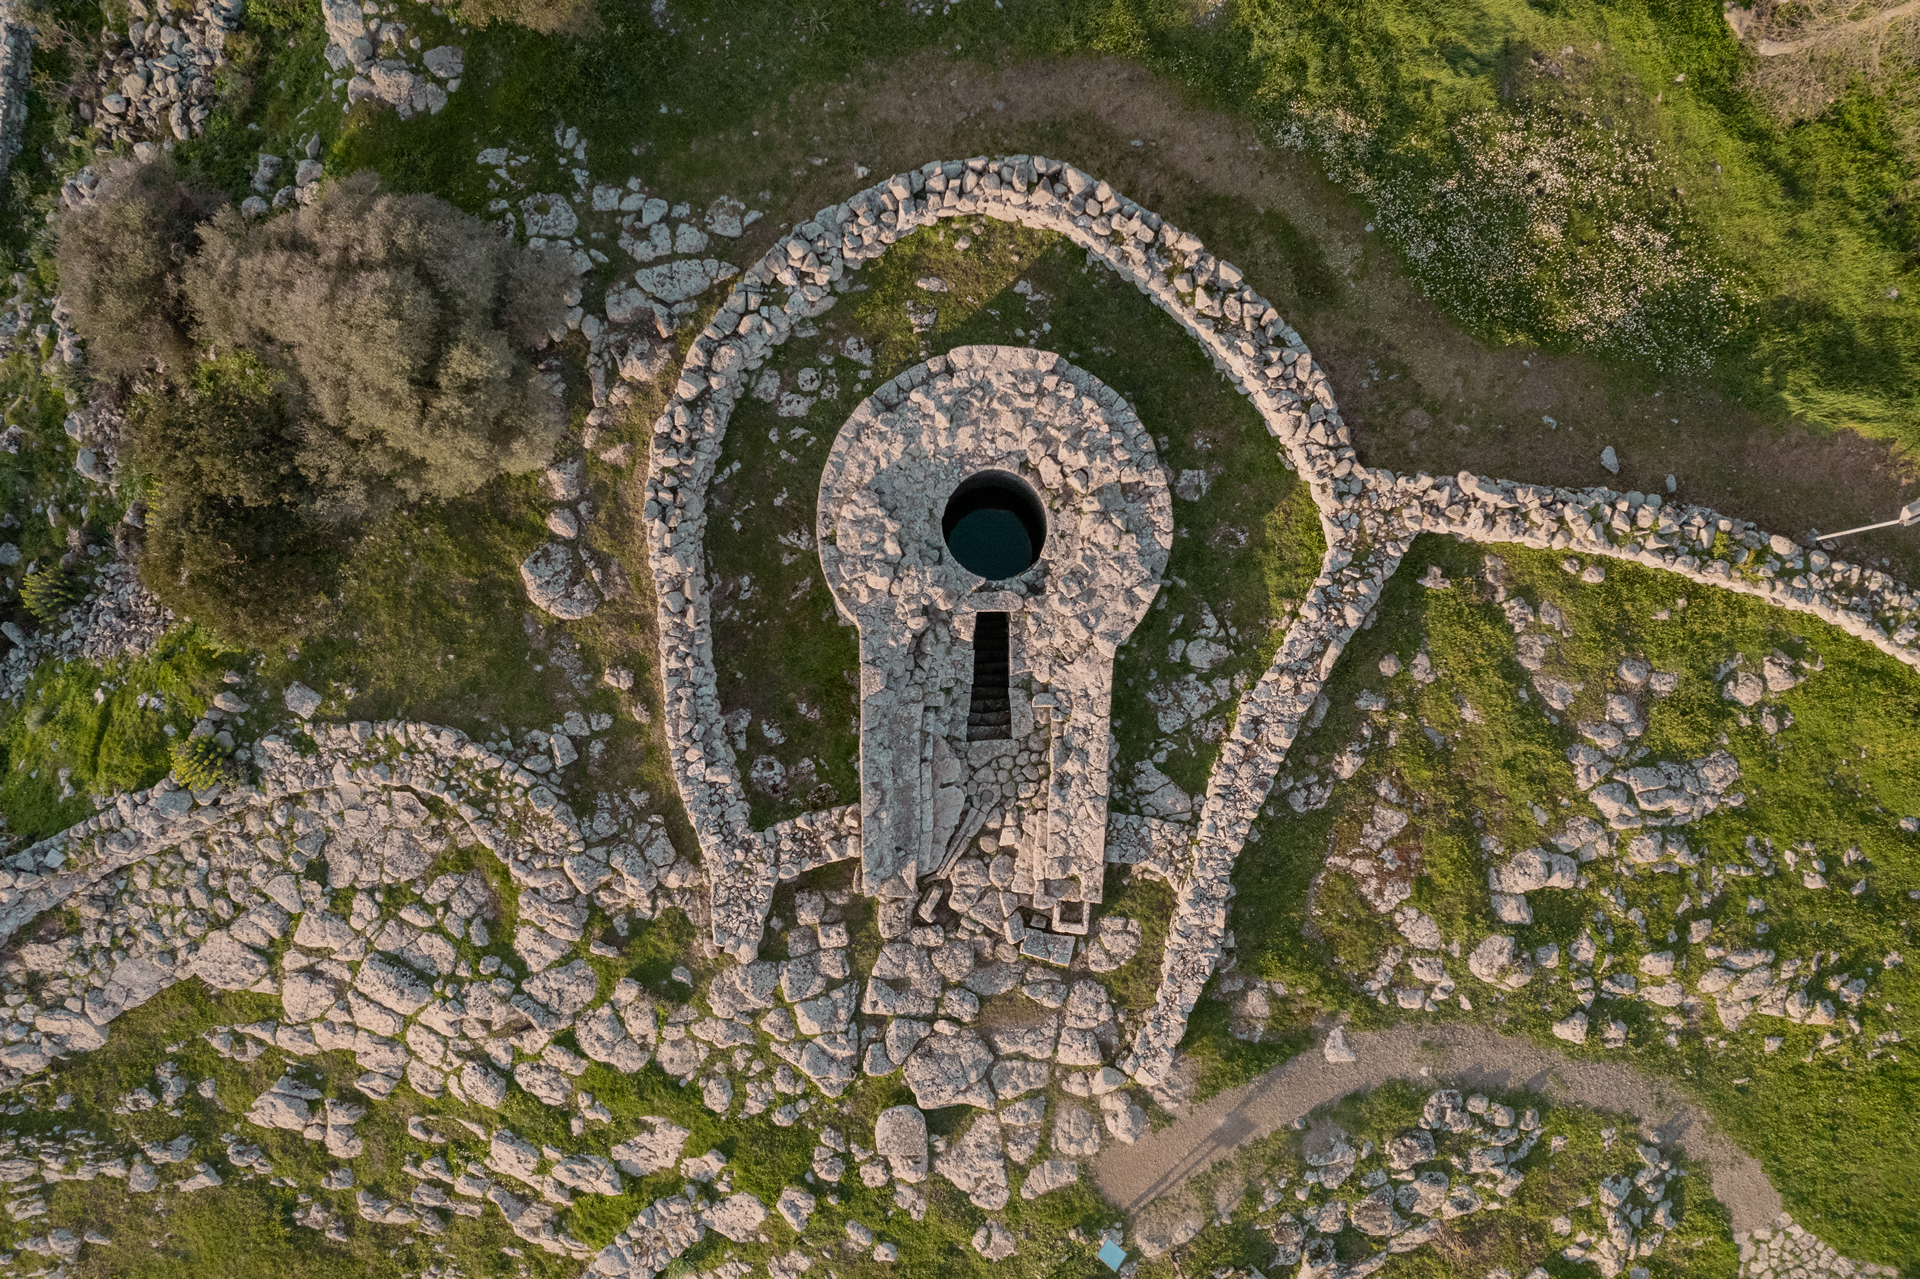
(432, 624)
(1806, 228)
(1840, 776)
(1793, 236)
(40, 474)
(108, 743)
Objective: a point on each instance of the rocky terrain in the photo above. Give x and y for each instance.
(946, 937)
(160, 86)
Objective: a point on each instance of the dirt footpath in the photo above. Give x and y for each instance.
(1441, 1056)
(1420, 393)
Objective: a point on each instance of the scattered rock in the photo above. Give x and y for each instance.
(900, 1137)
(301, 700)
(1498, 962)
(994, 1241)
(555, 584)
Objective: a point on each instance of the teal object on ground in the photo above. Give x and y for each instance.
(1113, 1254)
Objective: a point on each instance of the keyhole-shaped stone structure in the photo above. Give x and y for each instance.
(985, 703)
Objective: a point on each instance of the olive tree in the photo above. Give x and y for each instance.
(404, 331)
(231, 537)
(120, 257)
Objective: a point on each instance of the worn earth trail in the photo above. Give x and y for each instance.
(1134, 1176)
(1451, 402)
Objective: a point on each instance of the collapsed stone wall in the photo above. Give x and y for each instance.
(118, 616)
(170, 884)
(16, 67)
(160, 85)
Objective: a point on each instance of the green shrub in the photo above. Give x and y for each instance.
(404, 330)
(232, 540)
(119, 260)
(366, 349)
(284, 15)
(49, 592)
(198, 762)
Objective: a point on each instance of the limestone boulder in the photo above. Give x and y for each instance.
(950, 1070)
(738, 1217)
(224, 963)
(1498, 962)
(654, 1149)
(977, 1165)
(900, 1137)
(556, 585)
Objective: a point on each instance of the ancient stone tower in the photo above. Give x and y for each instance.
(995, 522)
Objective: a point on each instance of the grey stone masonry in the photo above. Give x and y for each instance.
(1694, 541)
(16, 63)
(1109, 527)
(1787, 1251)
(1368, 518)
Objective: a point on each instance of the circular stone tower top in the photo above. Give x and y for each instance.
(995, 522)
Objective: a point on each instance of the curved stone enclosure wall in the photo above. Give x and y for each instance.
(925, 788)
(800, 278)
(1368, 516)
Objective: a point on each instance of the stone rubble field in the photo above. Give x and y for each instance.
(1466, 1156)
(215, 883)
(161, 85)
(1643, 805)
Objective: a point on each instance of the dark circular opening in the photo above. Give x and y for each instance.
(994, 525)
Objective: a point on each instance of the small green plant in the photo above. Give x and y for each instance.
(48, 592)
(199, 762)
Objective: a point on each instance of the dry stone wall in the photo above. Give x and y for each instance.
(800, 278)
(16, 64)
(1368, 516)
(1696, 542)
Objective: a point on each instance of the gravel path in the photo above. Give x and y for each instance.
(1134, 1176)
